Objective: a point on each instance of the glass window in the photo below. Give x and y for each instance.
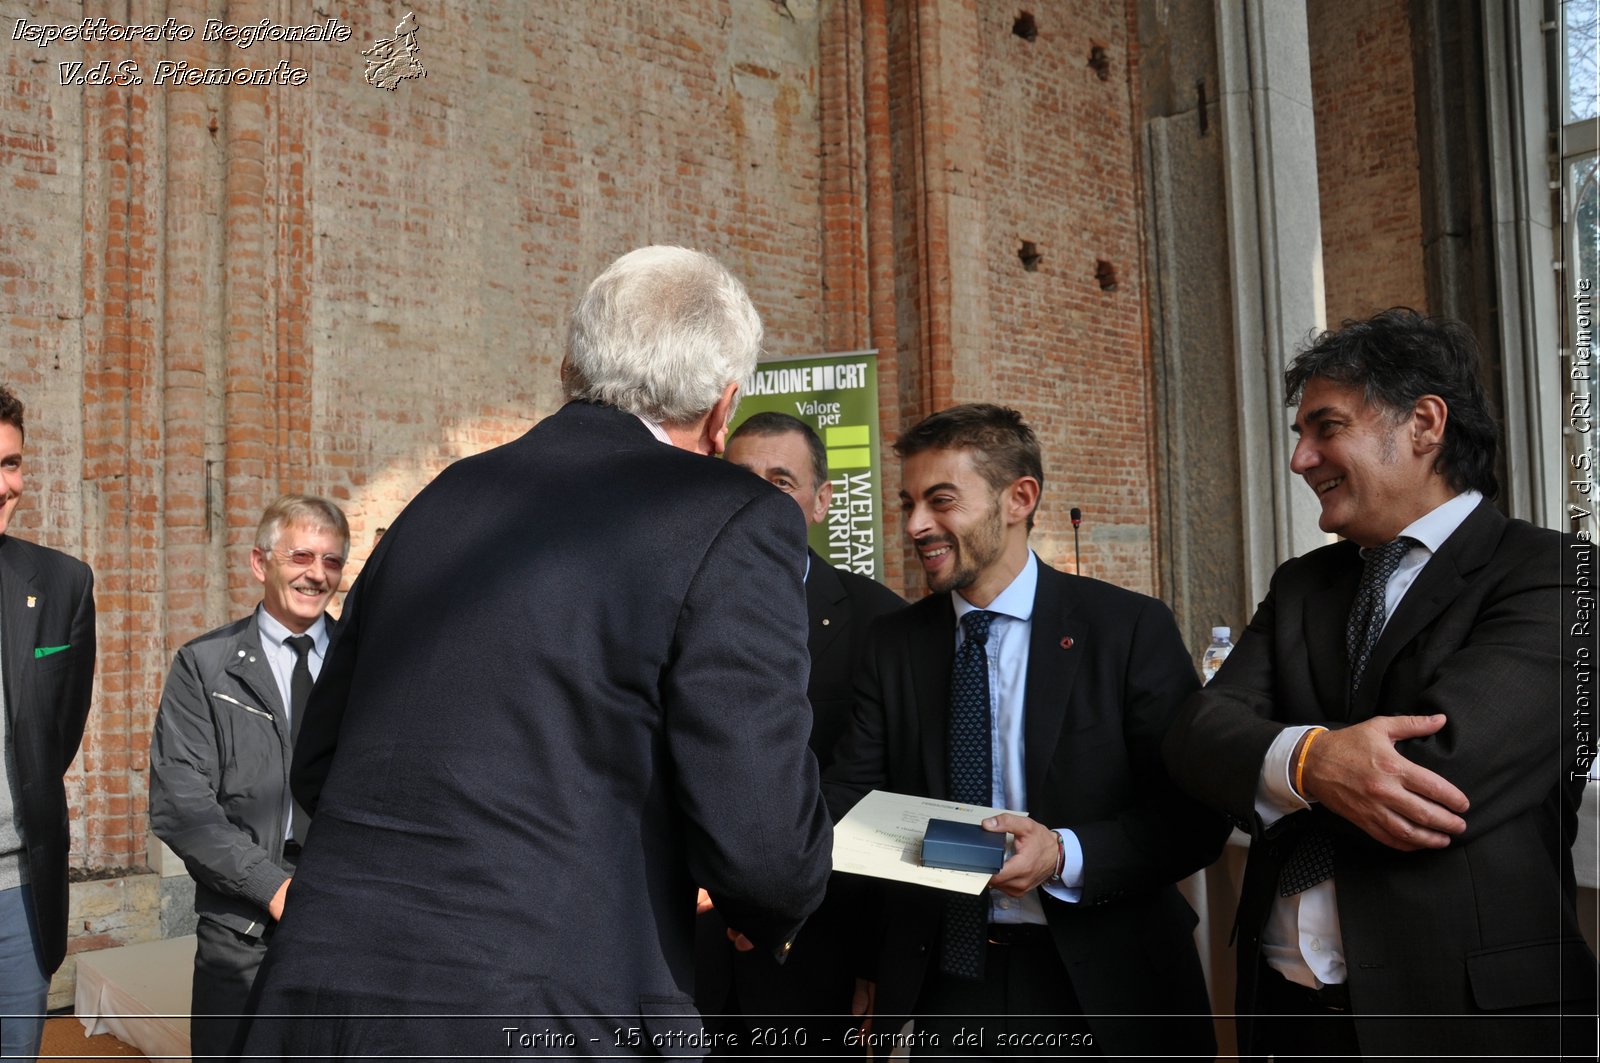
(1580, 30)
(1584, 212)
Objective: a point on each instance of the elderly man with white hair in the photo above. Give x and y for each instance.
(568, 687)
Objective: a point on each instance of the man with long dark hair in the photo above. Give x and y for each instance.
(1393, 730)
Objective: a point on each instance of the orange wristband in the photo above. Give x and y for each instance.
(1300, 766)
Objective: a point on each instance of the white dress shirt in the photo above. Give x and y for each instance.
(1302, 940)
(1007, 651)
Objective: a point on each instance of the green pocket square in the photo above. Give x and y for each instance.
(45, 651)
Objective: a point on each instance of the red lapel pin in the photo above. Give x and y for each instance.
(1066, 643)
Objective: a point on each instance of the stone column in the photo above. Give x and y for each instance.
(1275, 252)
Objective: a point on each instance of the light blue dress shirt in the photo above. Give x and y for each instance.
(1007, 650)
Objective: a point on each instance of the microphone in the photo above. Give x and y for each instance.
(1077, 519)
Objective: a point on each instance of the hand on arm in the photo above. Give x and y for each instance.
(1357, 773)
(275, 906)
(863, 1001)
(1034, 861)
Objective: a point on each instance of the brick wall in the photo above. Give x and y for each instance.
(1071, 355)
(211, 295)
(226, 293)
(1367, 170)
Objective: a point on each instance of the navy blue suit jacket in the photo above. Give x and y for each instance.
(567, 689)
(1107, 669)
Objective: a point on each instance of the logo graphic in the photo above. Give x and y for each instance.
(391, 61)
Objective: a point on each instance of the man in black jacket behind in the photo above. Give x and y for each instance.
(219, 757)
(806, 1004)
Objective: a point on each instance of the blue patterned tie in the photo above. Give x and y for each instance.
(1311, 860)
(970, 774)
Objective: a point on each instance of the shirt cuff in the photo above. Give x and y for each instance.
(1275, 794)
(1069, 887)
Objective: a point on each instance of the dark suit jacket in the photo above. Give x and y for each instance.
(1487, 924)
(841, 607)
(819, 975)
(47, 702)
(563, 693)
(1106, 671)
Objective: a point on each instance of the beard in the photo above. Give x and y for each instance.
(975, 550)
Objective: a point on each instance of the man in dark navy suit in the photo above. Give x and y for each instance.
(1017, 686)
(568, 688)
(807, 1002)
(46, 675)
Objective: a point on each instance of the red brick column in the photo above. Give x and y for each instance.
(1369, 179)
(881, 272)
(122, 450)
(191, 132)
(251, 364)
(291, 123)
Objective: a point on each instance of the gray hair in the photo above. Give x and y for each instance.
(660, 333)
(305, 510)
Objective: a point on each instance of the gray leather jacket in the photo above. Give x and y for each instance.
(219, 772)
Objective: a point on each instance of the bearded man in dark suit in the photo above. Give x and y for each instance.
(807, 1004)
(568, 688)
(47, 649)
(1017, 686)
(1394, 731)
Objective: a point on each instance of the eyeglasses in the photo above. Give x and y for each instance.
(305, 559)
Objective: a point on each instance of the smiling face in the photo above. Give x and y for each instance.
(1373, 473)
(296, 594)
(10, 473)
(784, 461)
(969, 536)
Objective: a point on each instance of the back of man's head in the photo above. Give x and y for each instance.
(1003, 447)
(660, 334)
(11, 410)
(1395, 358)
(303, 511)
(772, 423)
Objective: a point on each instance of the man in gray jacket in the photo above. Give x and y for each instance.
(219, 758)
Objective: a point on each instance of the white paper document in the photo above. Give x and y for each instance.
(882, 837)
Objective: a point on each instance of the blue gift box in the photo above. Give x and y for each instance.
(962, 846)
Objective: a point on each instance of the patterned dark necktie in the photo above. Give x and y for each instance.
(299, 694)
(1367, 613)
(1311, 860)
(970, 774)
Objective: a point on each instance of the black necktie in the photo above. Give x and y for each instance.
(970, 774)
(1310, 862)
(299, 694)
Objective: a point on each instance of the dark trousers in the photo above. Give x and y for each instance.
(225, 965)
(1022, 1006)
(1293, 1022)
(798, 1008)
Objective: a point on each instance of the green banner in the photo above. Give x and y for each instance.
(837, 394)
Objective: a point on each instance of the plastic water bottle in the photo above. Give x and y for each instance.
(1217, 652)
